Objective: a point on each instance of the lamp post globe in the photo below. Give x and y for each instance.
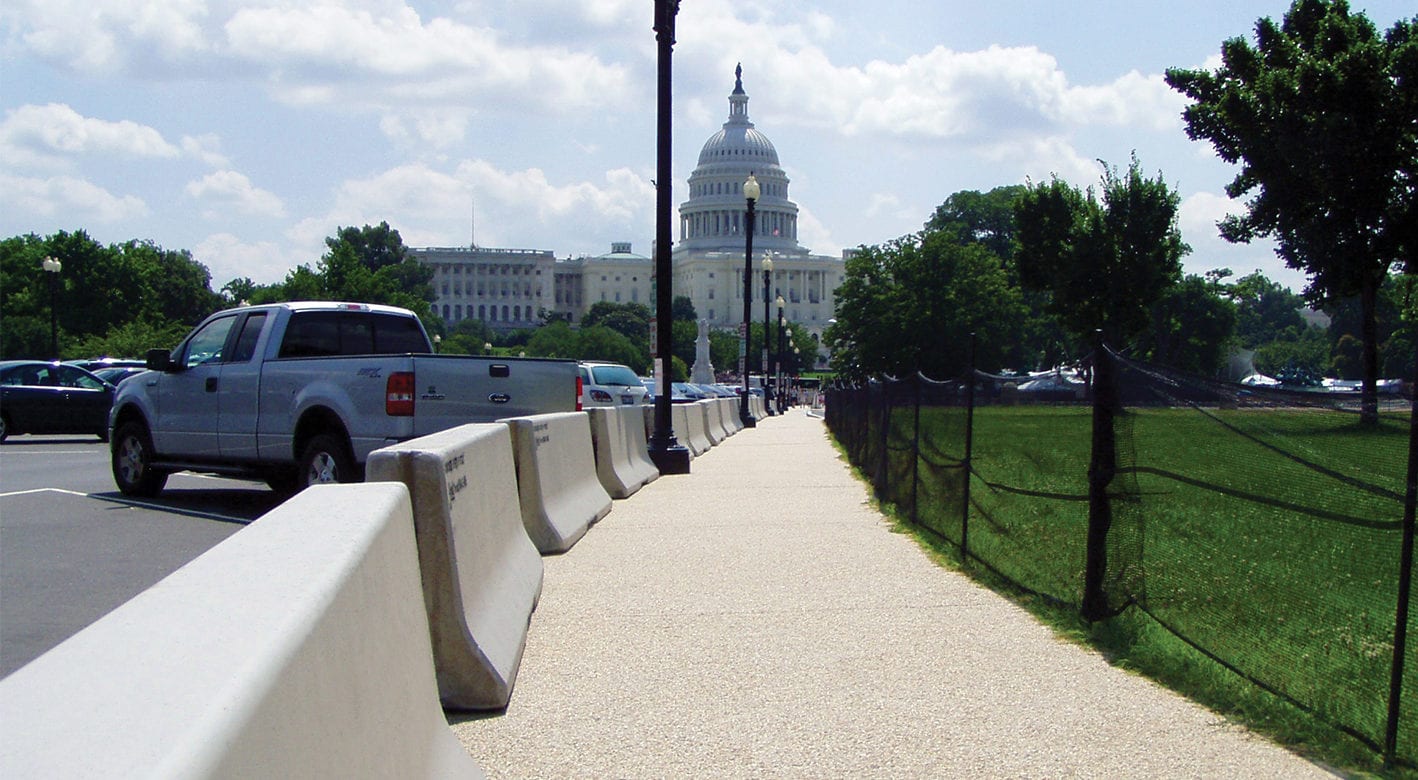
(52, 268)
(751, 192)
(767, 368)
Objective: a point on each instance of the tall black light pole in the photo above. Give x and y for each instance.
(52, 268)
(781, 357)
(750, 196)
(667, 453)
(767, 367)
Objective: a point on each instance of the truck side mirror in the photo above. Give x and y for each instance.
(159, 360)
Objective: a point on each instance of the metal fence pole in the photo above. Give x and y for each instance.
(916, 453)
(1101, 470)
(1405, 584)
(969, 453)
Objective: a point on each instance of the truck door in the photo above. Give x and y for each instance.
(187, 407)
(240, 383)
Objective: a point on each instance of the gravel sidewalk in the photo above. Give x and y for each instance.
(757, 618)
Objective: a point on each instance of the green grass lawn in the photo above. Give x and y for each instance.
(1270, 538)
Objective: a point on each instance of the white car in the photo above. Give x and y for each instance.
(610, 384)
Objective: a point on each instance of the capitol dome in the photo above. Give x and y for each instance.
(712, 219)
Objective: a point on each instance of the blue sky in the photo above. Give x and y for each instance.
(247, 132)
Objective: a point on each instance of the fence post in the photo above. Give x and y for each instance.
(1101, 469)
(969, 452)
(916, 453)
(882, 461)
(1405, 584)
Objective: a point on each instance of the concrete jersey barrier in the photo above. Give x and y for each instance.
(713, 428)
(556, 478)
(689, 427)
(622, 453)
(481, 574)
(298, 647)
(733, 421)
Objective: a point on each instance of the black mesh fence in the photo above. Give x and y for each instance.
(1263, 527)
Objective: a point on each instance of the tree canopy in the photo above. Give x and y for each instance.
(1104, 263)
(909, 306)
(1322, 116)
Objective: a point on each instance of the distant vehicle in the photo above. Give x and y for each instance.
(610, 384)
(300, 393)
(117, 374)
(94, 365)
(47, 398)
(691, 391)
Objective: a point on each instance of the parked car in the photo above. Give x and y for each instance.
(117, 374)
(46, 398)
(610, 384)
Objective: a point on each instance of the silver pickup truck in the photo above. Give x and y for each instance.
(299, 393)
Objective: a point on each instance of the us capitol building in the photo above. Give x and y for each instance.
(507, 288)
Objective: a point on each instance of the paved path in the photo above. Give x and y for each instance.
(757, 618)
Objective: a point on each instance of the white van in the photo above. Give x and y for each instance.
(610, 384)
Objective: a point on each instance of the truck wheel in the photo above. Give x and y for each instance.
(133, 471)
(326, 459)
(4, 428)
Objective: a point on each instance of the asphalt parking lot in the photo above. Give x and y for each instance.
(72, 548)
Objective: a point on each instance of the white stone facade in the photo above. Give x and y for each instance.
(507, 288)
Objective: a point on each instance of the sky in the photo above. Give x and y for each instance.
(249, 132)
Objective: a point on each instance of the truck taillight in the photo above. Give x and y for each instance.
(578, 392)
(399, 394)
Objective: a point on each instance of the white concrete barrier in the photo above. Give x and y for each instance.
(713, 426)
(622, 453)
(689, 427)
(733, 417)
(556, 478)
(298, 647)
(482, 575)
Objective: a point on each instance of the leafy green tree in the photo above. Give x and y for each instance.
(377, 246)
(1265, 310)
(1193, 327)
(909, 306)
(1105, 263)
(555, 339)
(100, 289)
(1322, 116)
(973, 217)
(631, 320)
(682, 310)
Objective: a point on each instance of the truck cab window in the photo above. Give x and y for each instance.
(206, 345)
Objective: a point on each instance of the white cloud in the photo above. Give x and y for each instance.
(392, 57)
(206, 148)
(112, 36)
(227, 257)
(225, 191)
(45, 136)
(73, 200)
(436, 128)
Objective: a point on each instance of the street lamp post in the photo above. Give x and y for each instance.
(767, 368)
(669, 456)
(52, 267)
(781, 356)
(750, 195)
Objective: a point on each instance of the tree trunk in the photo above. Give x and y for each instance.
(1369, 332)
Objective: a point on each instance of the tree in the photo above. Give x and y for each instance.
(100, 290)
(1193, 327)
(1104, 263)
(972, 217)
(631, 320)
(1265, 311)
(1322, 116)
(909, 306)
(377, 247)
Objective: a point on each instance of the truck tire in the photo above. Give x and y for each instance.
(133, 471)
(326, 459)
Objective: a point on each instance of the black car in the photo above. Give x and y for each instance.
(40, 397)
